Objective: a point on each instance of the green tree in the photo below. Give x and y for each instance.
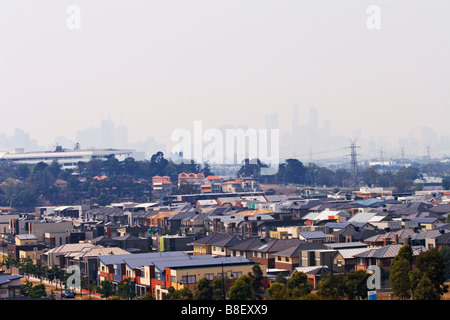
(26, 266)
(332, 286)
(281, 278)
(241, 289)
(183, 294)
(426, 290)
(26, 289)
(277, 291)
(431, 264)
(400, 278)
(256, 277)
(106, 289)
(251, 169)
(54, 168)
(445, 253)
(125, 289)
(18, 193)
(404, 178)
(406, 253)
(298, 285)
(148, 296)
(356, 284)
(38, 291)
(219, 286)
(446, 183)
(54, 273)
(204, 290)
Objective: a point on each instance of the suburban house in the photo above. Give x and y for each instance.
(87, 259)
(344, 259)
(155, 273)
(440, 241)
(289, 259)
(132, 243)
(427, 223)
(427, 238)
(314, 218)
(25, 246)
(10, 286)
(384, 255)
(107, 214)
(216, 244)
(162, 186)
(314, 273)
(400, 236)
(267, 250)
(40, 227)
(312, 236)
(61, 256)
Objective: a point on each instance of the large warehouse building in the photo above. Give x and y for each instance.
(66, 157)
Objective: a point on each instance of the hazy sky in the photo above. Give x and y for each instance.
(157, 66)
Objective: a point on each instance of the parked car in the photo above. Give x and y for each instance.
(67, 294)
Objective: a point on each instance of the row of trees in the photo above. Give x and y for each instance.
(426, 281)
(246, 287)
(351, 285)
(294, 171)
(26, 186)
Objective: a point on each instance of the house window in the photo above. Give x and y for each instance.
(279, 258)
(209, 276)
(360, 261)
(255, 253)
(222, 249)
(339, 262)
(237, 274)
(214, 248)
(430, 246)
(188, 279)
(286, 259)
(173, 279)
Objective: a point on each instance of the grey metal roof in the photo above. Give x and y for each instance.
(7, 278)
(424, 219)
(428, 234)
(362, 217)
(137, 263)
(350, 253)
(342, 225)
(314, 269)
(305, 246)
(313, 234)
(119, 259)
(220, 239)
(342, 245)
(200, 261)
(389, 251)
(26, 236)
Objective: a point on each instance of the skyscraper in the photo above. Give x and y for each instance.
(107, 134)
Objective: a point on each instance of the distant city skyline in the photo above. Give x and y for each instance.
(310, 141)
(153, 67)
